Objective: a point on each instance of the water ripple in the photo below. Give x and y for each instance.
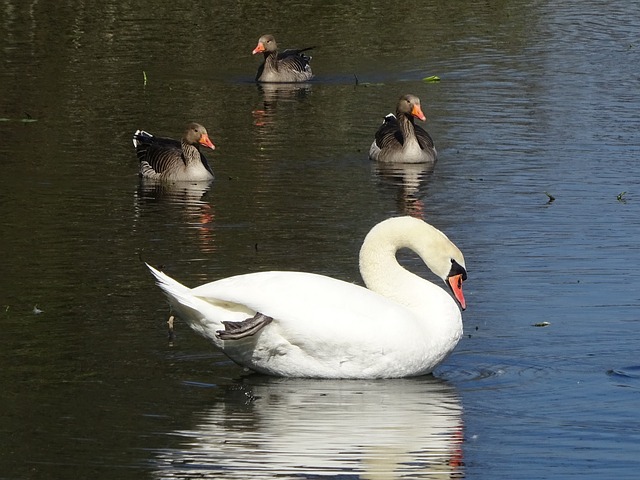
(493, 376)
(626, 376)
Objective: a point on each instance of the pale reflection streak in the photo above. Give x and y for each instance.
(197, 215)
(409, 181)
(294, 428)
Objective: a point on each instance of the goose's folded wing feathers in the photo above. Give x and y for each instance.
(166, 142)
(297, 63)
(295, 53)
(424, 139)
(149, 147)
(389, 133)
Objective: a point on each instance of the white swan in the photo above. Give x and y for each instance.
(296, 324)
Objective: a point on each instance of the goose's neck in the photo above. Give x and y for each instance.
(190, 152)
(271, 60)
(405, 122)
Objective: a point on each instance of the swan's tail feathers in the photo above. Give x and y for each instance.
(166, 283)
(192, 309)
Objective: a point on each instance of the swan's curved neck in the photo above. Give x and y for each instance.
(383, 274)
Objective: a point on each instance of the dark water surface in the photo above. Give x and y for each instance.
(534, 97)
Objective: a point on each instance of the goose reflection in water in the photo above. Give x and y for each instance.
(185, 198)
(267, 427)
(272, 94)
(409, 180)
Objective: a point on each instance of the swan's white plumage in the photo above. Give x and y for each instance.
(323, 327)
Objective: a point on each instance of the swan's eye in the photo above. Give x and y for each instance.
(457, 269)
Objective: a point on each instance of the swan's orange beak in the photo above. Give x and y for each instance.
(416, 111)
(204, 140)
(455, 282)
(259, 48)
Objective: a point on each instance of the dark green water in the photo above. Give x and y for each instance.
(534, 97)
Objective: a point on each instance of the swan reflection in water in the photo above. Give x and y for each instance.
(266, 427)
(184, 198)
(409, 180)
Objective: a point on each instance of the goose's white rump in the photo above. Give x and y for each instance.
(297, 324)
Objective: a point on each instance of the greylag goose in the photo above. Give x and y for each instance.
(290, 65)
(173, 160)
(399, 140)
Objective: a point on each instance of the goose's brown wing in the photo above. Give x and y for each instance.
(389, 132)
(294, 59)
(160, 153)
(424, 139)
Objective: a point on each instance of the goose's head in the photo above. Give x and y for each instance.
(266, 43)
(196, 134)
(410, 105)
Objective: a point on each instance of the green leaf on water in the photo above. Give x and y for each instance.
(144, 76)
(431, 79)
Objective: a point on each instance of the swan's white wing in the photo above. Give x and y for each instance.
(296, 300)
(321, 326)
